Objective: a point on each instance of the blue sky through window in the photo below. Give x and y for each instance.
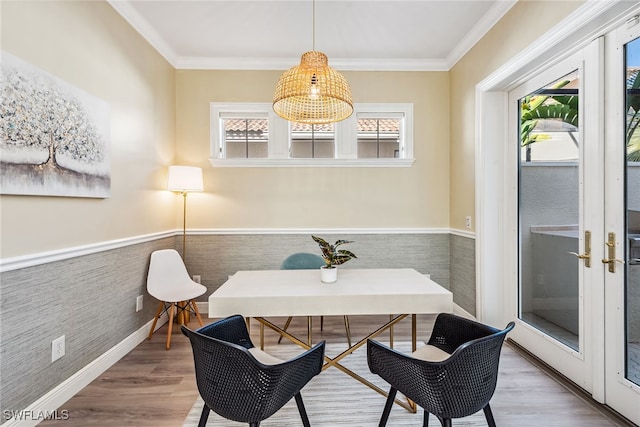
(633, 53)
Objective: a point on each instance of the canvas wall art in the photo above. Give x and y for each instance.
(54, 137)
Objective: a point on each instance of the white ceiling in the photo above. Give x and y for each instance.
(271, 35)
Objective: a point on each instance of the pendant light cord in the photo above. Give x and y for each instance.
(313, 26)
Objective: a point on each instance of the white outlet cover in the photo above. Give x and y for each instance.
(57, 348)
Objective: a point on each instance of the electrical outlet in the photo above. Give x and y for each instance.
(139, 303)
(196, 278)
(468, 222)
(57, 348)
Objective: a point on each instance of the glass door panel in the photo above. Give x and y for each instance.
(549, 209)
(632, 209)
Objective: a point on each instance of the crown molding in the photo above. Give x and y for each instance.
(146, 30)
(280, 64)
(491, 18)
(142, 26)
(587, 22)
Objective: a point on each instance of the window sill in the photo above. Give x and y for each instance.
(321, 163)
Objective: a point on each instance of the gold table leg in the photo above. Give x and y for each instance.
(414, 336)
(261, 337)
(390, 332)
(410, 406)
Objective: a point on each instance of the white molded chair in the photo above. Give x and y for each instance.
(169, 282)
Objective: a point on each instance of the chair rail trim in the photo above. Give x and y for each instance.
(31, 260)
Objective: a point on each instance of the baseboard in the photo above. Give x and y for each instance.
(203, 307)
(47, 406)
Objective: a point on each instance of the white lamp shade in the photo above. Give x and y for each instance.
(185, 179)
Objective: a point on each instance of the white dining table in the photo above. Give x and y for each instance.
(301, 293)
(273, 293)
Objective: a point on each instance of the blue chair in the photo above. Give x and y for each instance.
(307, 261)
(302, 261)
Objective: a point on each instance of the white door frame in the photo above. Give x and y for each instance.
(496, 223)
(622, 394)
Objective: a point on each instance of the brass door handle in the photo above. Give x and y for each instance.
(580, 256)
(585, 257)
(587, 249)
(607, 261)
(611, 253)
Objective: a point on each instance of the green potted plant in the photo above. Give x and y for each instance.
(332, 257)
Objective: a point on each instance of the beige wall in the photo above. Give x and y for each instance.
(89, 45)
(416, 197)
(519, 28)
(104, 56)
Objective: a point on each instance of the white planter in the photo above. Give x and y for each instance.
(328, 275)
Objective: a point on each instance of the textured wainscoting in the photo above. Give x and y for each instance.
(90, 299)
(216, 256)
(463, 272)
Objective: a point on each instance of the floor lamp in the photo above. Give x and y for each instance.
(185, 179)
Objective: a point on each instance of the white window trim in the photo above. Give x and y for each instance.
(377, 111)
(279, 137)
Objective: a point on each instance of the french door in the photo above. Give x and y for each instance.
(555, 229)
(575, 128)
(622, 220)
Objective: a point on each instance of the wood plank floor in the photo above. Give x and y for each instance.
(154, 387)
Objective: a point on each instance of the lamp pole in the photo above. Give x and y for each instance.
(184, 226)
(184, 179)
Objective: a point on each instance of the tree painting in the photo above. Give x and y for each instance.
(53, 137)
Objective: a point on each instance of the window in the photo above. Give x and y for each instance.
(245, 138)
(251, 134)
(312, 141)
(379, 138)
(549, 122)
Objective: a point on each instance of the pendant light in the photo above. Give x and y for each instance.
(313, 92)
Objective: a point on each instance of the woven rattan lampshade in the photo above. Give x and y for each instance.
(313, 92)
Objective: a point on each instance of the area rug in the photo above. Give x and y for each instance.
(335, 399)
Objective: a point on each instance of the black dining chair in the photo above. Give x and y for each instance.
(453, 376)
(242, 383)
